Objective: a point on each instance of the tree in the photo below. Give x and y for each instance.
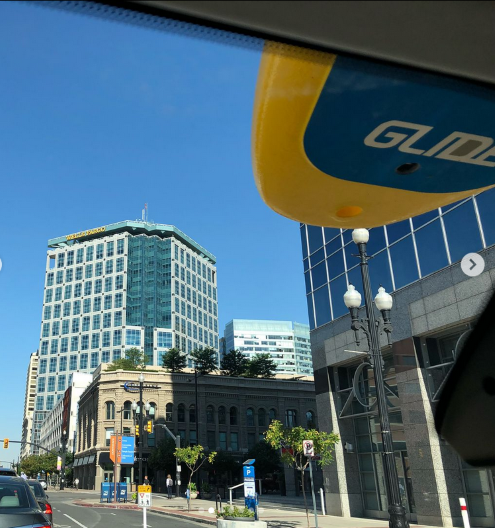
(134, 359)
(205, 360)
(291, 438)
(261, 366)
(162, 457)
(174, 360)
(234, 363)
(194, 458)
(267, 458)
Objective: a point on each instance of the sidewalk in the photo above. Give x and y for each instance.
(276, 518)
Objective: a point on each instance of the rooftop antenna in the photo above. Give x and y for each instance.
(146, 210)
(142, 215)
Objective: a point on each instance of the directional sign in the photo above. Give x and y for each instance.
(144, 500)
(144, 489)
(127, 456)
(308, 448)
(336, 137)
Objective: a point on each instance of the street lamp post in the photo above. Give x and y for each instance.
(372, 327)
(62, 469)
(141, 425)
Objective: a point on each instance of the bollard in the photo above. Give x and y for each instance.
(322, 498)
(464, 512)
(218, 498)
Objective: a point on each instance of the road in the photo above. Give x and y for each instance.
(66, 515)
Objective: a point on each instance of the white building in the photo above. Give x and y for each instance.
(288, 343)
(29, 399)
(129, 284)
(52, 427)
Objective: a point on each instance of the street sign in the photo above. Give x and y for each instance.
(144, 489)
(127, 453)
(308, 448)
(335, 137)
(144, 500)
(248, 472)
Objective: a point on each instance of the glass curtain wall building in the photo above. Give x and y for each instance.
(435, 303)
(402, 252)
(288, 343)
(129, 284)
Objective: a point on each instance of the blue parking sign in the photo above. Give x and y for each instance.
(248, 472)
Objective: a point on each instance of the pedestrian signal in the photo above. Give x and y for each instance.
(6, 443)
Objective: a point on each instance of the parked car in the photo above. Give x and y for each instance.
(43, 483)
(8, 472)
(18, 505)
(41, 497)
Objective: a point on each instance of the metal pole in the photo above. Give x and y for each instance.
(197, 410)
(62, 469)
(396, 510)
(322, 498)
(141, 407)
(313, 491)
(177, 473)
(115, 451)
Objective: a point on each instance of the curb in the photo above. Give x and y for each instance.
(132, 507)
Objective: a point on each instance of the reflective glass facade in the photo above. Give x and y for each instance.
(402, 252)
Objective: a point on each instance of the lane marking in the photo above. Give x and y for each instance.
(73, 520)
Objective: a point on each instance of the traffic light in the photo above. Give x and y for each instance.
(5, 443)
(149, 426)
(137, 430)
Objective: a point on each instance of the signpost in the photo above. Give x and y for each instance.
(144, 500)
(309, 451)
(249, 484)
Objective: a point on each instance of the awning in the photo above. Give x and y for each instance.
(91, 459)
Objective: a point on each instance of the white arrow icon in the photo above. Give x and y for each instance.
(472, 264)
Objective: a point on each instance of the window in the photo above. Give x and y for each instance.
(50, 400)
(66, 309)
(68, 292)
(310, 420)
(99, 251)
(233, 416)
(55, 328)
(46, 330)
(251, 438)
(61, 383)
(96, 304)
(211, 440)
(127, 410)
(40, 401)
(64, 342)
(290, 418)
(210, 416)
(107, 320)
(116, 355)
(108, 435)
(110, 410)
(108, 302)
(85, 323)
(87, 287)
(70, 258)
(181, 413)
(74, 344)
(133, 337)
(60, 260)
(73, 362)
(105, 342)
(108, 284)
(47, 312)
(49, 279)
(95, 341)
(110, 246)
(79, 273)
(83, 361)
(41, 384)
(192, 413)
(96, 322)
(80, 256)
(261, 417)
(48, 295)
(117, 337)
(119, 282)
(118, 300)
(77, 290)
(117, 320)
(119, 265)
(75, 326)
(58, 293)
(84, 342)
(62, 366)
(222, 437)
(105, 356)
(95, 356)
(250, 417)
(221, 415)
(51, 384)
(44, 348)
(234, 443)
(69, 274)
(42, 368)
(76, 308)
(120, 246)
(192, 438)
(98, 286)
(54, 346)
(98, 269)
(169, 410)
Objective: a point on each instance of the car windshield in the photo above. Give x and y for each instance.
(12, 495)
(8, 472)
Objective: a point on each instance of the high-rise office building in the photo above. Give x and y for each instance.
(287, 342)
(29, 400)
(435, 303)
(128, 284)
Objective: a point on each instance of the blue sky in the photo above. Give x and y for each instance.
(99, 117)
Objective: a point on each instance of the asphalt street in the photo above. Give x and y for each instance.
(67, 515)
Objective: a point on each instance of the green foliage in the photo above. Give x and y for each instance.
(234, 512)
(192, 487)
(261, 366)
(205, 360)
(47, 462)
(162, 456)
(205, 487)
(134, 360)
(174, 360)
(234, 363)
(267, 458)
(292, 439)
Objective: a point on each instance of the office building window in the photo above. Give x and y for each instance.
(105, 356)
(133, 337)
(250, 417)
(83, 361)
(234, 444)
(211, 440)
(222, 440)
(120, 246)
(210, 414)
(108, 435)
(169, 409)
(73, 362)
(233, 416)
(181, 413)
(110, 247)
(192, 413)
(290, 418)
(192, 438)
(222, 415)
